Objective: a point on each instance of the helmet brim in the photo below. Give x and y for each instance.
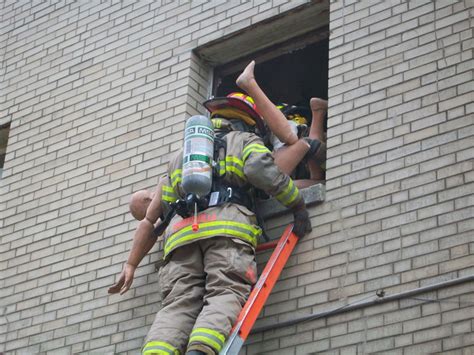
(219, 103)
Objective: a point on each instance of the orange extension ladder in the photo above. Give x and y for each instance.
(261, 291)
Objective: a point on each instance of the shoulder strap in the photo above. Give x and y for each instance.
(220, 151)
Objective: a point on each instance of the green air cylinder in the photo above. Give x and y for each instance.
(197, 156)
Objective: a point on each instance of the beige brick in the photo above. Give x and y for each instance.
(424, 155)
(429, 347)
(89, 81)
(386, 145)
(457, 315)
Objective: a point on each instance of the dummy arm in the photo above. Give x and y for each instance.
(143, 241)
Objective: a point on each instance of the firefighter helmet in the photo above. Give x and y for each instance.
(299, 114)
(241, 105)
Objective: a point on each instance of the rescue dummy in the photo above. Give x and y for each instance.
(289, 148)
(145, 206)
(208, 272)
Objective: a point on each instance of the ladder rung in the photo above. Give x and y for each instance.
(266, 246)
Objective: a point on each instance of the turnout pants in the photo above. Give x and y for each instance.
(204, 286)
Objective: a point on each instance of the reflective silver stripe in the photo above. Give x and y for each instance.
(235, 166)
(289, 194)
(248, 233)
(208, 336)
(254, 148)
(159, 348)
(168, 194)
(176, 177)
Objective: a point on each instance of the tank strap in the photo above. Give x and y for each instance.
(222, 194)
(220, 151)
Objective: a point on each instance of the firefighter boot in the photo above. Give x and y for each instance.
(199, 349)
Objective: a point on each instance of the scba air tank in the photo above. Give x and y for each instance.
(197, 156)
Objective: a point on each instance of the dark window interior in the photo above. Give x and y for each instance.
(4, 131)
(293, 77)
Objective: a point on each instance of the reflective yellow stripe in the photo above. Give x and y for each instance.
(216, 122)
(219, 224)
(209, 337)
(176, 172)
(168, 194)
(242, 231)
(235, 170)
(176, 177)
(168, 199)
(211, 332)
(234, 160)
(159, 348)
(212, 229)
(254, 148)
(221, 168)
(288, 195)
(235, 165)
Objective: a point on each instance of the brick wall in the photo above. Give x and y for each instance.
(97, 94)
(399, 202)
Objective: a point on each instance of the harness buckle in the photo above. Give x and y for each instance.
(214, 198)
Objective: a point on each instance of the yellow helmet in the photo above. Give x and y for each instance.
(298, 114)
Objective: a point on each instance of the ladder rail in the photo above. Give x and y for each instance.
(260, 292)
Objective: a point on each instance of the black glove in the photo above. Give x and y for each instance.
(302, 224)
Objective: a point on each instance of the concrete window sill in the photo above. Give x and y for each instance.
(271, 208)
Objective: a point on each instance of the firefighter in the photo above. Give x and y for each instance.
(289, 148)
(208, 273)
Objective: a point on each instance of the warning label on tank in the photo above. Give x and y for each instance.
(202, 131)
(198, 146)
(196, 157)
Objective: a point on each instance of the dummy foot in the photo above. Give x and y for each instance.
(318, 104)
(247, 77)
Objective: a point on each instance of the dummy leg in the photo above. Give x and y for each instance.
(318, 108)
(273, 117)
(289, 156)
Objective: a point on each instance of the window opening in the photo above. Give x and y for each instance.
(291, 73)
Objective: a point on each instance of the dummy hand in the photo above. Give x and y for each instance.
(302, 224)
(125, 280)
